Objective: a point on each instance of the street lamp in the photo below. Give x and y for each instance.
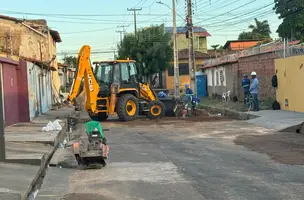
(175, 50)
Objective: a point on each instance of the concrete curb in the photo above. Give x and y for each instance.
(230, 113)
(37, 181)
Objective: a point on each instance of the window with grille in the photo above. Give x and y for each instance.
(183, 69)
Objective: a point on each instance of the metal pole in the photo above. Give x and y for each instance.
(120, 32)
(175, 49)
(123, 28)
(134, 13)
(2, 138)
(284, 47)
(192, 69)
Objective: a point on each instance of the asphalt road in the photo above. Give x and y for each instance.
(174, 159)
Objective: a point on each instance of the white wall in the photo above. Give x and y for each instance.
(209, 76)
(220, 76)
(214, 74)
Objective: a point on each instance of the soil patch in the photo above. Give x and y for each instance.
(200, 116)
(286, 148)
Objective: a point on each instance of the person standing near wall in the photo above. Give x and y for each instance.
(246, 86)
(254, 90)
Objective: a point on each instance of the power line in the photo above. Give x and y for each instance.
(239, 15)
(73, 15)
(150, 4)
(223, 6)
(138, 3)
(142, 3)
(242, 20)
(239, 22)
(229, 11)
(111, 22)
(97, 30)
(88, 31)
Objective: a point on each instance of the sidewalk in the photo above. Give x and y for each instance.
(26, 148)
(271, 119)
(277, 119)
(26, 142)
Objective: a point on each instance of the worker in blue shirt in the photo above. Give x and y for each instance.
(246, 86)
(189, 97)
(189, 92)
(254, 90)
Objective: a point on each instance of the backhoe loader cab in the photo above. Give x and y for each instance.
(122, 73)
(111, 87)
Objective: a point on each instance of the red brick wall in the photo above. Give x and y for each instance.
(263, 65)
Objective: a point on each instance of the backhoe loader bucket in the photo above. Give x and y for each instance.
(170, 104)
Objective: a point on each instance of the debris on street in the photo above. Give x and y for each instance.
(52, 126)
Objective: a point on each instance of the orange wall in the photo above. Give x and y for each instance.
(242, 45)
(183, 79)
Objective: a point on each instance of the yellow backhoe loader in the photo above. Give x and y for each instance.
(111, 87)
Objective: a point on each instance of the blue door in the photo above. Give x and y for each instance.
(201, 85)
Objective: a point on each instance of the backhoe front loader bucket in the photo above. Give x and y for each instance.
(170, 104)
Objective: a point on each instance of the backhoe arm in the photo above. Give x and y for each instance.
(84, 71)
(146, 92)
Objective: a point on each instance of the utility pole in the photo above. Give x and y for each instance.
(120, 32)
(2, 138)
(134, 13)
(175, 53)
(123, 27)
(192, 69)
(175, 50)
(114, 52)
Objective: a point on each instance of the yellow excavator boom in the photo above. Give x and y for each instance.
(146, 92)
(85, 71)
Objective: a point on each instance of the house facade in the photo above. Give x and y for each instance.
(184, 77)
(28, 68)
(225, 73)
(199, 41)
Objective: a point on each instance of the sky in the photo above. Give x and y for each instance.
(97, 22)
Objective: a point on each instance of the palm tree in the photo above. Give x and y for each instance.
(261, 29)
(215, 46)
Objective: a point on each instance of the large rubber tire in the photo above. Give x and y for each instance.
(157, 109)
(127, 109)
(100, 117)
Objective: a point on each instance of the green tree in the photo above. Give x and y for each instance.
(245, 36)
(292, 13)
(151, 48)
(260, 30)
(71, 61)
